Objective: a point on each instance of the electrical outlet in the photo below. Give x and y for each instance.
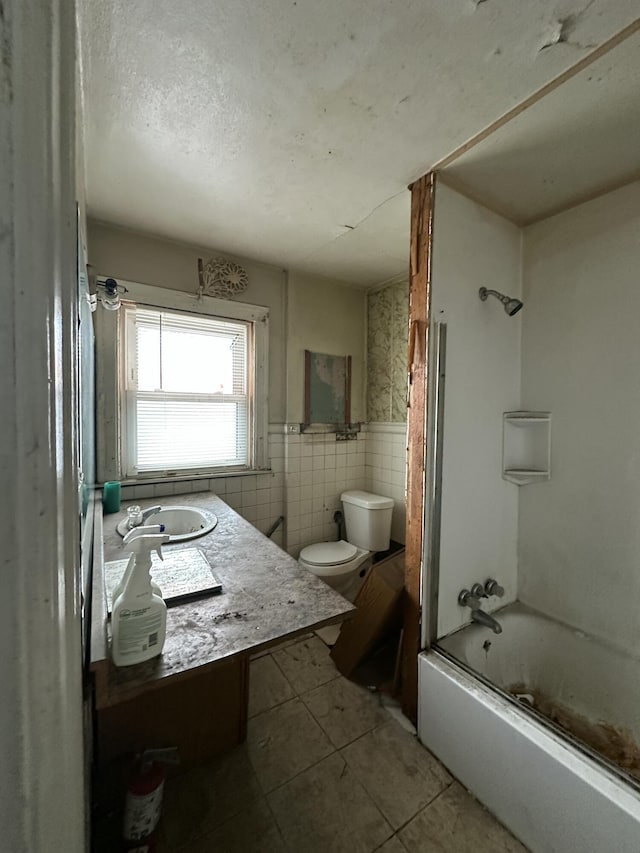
(293, 429)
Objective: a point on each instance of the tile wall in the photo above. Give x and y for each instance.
(257, 497)
(308, 475)
(317, 470)
(385, 469)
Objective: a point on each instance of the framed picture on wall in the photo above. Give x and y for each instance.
(327, 388)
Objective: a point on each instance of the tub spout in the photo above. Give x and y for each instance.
(487, 620)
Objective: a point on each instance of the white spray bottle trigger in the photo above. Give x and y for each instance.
(136, 533)
(142, 545)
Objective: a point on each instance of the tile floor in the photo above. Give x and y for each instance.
(325, 769)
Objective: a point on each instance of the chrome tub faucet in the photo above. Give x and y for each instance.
(487, 620)
(471, 598)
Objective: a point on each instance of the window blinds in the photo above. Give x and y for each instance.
(186, 390)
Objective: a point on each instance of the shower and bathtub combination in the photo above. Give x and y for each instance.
(529, 684)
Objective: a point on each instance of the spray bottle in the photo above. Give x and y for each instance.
(139, 615)
(146, 530)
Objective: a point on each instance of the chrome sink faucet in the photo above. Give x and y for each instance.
(471, 598)
(137, 516)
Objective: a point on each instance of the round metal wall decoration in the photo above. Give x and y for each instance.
(219, 277)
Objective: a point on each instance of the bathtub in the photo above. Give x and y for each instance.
(554, 793)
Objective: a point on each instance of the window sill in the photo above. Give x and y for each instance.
(189, 478)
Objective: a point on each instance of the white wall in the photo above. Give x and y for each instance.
(42, 805)
(474, 247)
(145, 259)
(580, 532)
(324, 316)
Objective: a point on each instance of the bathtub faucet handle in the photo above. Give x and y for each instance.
(467, 599)
(478, 591)
(492, 587)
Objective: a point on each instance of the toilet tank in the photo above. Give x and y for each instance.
(368, 519)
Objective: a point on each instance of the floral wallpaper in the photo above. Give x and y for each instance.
(387, 341)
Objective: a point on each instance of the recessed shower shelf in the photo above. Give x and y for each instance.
(526, 447)
(516, 419)
(521, 476)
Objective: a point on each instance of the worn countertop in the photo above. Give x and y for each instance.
(266, 598)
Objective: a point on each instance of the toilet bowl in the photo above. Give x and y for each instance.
(337, 563)
(343, 564)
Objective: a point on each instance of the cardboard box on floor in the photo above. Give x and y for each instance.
(379, 612)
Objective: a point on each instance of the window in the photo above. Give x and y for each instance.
(191, 395)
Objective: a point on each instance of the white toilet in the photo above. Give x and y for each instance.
(342, 564)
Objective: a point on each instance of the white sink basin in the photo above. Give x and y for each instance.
(180, 522)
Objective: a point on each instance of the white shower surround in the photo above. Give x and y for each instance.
(578, 534)
(548, 792)
(479, 528)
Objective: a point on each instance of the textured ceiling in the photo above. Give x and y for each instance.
(287, 131)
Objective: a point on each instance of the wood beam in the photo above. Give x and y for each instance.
(422, 195)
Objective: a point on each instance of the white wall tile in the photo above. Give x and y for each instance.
(249, 513)
(293, 465)
(263, 514)
(293, 494)
(248, 499)
(294, 523)
(294, 451)
(306, 463)
(263, 497)
(144, 491)
(234, 500)
(233, 485)
(263, 482)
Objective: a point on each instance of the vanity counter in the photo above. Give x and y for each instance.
(266, 598)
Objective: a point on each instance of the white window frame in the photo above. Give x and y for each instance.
(110, 342)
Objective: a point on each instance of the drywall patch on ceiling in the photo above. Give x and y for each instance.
(564, 28)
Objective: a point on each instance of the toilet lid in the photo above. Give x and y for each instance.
(328, 553)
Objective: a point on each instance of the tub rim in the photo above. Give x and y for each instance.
(531, 713)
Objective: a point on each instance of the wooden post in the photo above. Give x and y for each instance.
(422, 193)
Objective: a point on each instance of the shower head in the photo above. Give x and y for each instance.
(511, 306)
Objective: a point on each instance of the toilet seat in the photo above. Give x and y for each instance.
(328, 553)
